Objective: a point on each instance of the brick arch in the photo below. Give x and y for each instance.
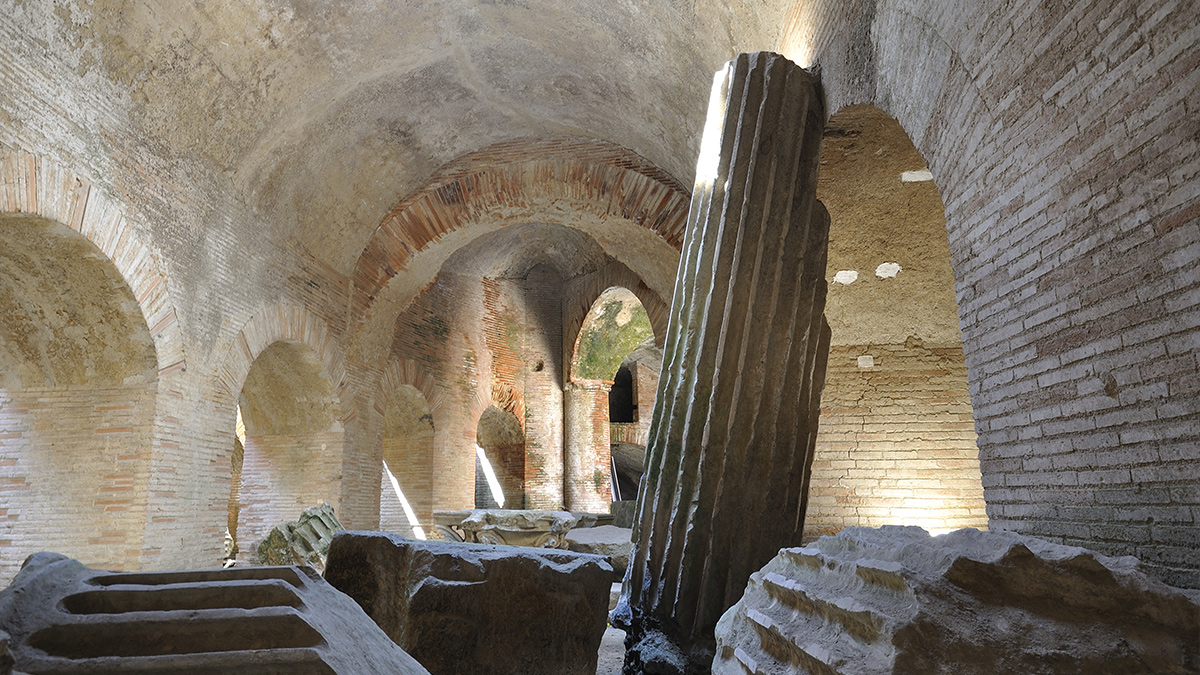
(289, 323)
(576, 309)
(520, 181)
(35, 185)
(401, 372)
(919, 79)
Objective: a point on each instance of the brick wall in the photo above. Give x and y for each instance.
(1062, 136)
(74, 464)
(282, 475)
(541, 337)
(1064, 140)
(409, 459)
(896, 443)
(588, 482)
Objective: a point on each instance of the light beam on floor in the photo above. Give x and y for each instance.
(418, 531)
(493, 483)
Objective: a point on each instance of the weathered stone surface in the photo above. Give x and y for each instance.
(66, 618)
(464, 609)
(895, 601)
(303, 542)
(6, 660)
(513, 527)
(622, 512)
(732, 436)
(606, 540)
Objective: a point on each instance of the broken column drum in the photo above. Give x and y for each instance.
(735, 423)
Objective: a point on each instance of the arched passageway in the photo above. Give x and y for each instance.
(499, 461)
(406, 505)
(293, 443)
(897, 439)
(609, 398)
(78, 384)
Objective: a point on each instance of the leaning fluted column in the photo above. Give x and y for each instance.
(735, 420)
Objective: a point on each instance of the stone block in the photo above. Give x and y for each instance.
(66, 618)
(895, 601)
(514, 527)
(611, 542)
(303, 542)
(622, 512)
(467, 609)
(6, 660)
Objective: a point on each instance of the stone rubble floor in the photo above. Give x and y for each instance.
(612, 645)
(612, 652)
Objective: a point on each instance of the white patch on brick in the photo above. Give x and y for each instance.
(919, 176)
(845, 277)
(887, 270)
(866, 361)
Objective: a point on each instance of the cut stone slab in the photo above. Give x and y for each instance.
(514, 527)
(303, 542)
(66, 618)
(609, 541)
(469, 609)
(895, 601)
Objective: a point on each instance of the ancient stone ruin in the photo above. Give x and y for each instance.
(732, 435)
(513, 527)
(302, 542)
(66, 618)
(469, 609)
(263, 254)
(895, 601)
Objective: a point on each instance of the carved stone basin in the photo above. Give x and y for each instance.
(541, 529)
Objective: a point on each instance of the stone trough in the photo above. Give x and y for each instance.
(65, 618)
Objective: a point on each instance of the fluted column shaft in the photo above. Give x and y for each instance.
(736, 415)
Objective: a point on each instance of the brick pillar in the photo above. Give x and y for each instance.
(736, 418)
(588, 483)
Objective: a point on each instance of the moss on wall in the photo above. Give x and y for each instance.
(613, 329)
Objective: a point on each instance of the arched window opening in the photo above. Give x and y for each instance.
(293, 442)
(896, 443)
(78, 384)
(606, 393)
(405, 497)
(499, 461)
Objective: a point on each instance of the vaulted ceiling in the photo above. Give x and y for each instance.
(321, 116)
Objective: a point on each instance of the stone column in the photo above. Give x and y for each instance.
(735, 420)
(588, 484)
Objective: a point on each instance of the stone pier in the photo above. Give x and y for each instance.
(735, 423)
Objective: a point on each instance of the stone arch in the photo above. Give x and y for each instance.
(78, 399)
(519, 181)
(896, 442)
(575, 310)
(36, 185)
(291, 325)
(576, 328)
(601, 348)
(635, 212)
(294, 443)
(125, 418)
